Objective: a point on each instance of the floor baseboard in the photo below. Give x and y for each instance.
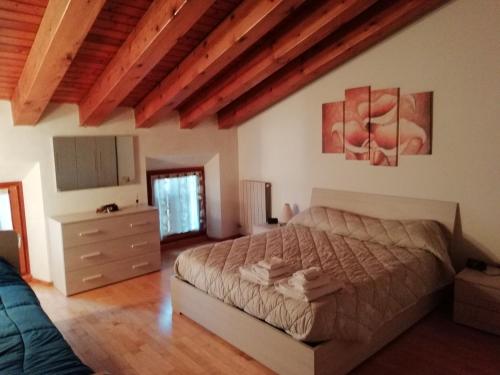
(32, 280)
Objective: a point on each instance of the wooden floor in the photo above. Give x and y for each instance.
(128, 328)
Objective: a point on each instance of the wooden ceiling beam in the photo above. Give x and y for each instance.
(154, 36)
(247, 24)
(62, 30)
(326, 56)
(291, 42)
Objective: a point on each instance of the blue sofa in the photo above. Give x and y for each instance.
(29, 342)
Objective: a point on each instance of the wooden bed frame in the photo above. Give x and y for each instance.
(279, 351)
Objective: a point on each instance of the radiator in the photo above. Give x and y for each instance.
(255, 204)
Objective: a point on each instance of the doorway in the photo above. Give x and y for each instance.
(179, 195)
(12, 217)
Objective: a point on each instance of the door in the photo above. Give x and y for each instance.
(125, 159)
(12, 217)
(86, 162)
(107, 174)
(65, 159)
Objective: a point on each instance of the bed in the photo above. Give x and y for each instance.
(29, 341)
(394, 269)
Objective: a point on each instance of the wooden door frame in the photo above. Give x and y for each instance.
(155, 172)
(24, 262)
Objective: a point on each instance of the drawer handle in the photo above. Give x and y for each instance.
(89, 232)
(139, 244)
(139, 265)
(93, 277)
(140, 224)
(90, 255)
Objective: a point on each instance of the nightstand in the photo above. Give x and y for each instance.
(263, 228)
(477, 300)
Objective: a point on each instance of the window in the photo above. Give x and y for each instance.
(179, 196)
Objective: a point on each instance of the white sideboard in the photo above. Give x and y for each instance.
(90, 250)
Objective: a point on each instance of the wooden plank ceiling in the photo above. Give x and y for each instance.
(230, 58)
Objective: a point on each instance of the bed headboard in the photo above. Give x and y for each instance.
(9, 247)
(388, 207)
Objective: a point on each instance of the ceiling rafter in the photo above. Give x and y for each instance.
(378, 23)
(56, 43)
(206, 24)
(156, 34)
(233, 58)
(247, 24)
(264, 60)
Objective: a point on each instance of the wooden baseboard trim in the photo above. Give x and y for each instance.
(183, 236)
(194, 241)
(32, 280)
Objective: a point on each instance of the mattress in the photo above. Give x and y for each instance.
(387, 266)
(29, 343)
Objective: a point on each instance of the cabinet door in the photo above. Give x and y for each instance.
(86, 162)
(107, 174)
(65, 160)
(126, 159)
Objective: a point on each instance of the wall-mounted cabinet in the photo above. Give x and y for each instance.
(91, 162)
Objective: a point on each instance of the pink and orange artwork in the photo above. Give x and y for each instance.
(384, 127)
(333, 128)
(415, 124)
(356, 123)
(378, 125)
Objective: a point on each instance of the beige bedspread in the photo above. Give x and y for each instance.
(387, 266)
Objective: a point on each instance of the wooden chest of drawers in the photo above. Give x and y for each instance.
(91, 250)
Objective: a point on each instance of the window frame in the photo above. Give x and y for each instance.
(203, 215)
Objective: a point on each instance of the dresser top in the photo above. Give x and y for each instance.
(87, 216)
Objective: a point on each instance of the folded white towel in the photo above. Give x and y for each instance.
(247, 273)
(271, 273)
(272, 263)
(308, 274)
(304, 285)
(284, 287)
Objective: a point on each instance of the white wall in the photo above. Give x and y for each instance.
(34, 209)
(454, 52)
(25, 148)
(5, 211)
(213, 196)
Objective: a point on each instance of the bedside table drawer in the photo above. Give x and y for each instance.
(263, 228)
(477, 300)
(477, 295)
(476, 317)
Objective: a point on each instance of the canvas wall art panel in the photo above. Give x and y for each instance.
(333, 128)
(356, 123)
(415, 124)
(378, 126)
(384, 127)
